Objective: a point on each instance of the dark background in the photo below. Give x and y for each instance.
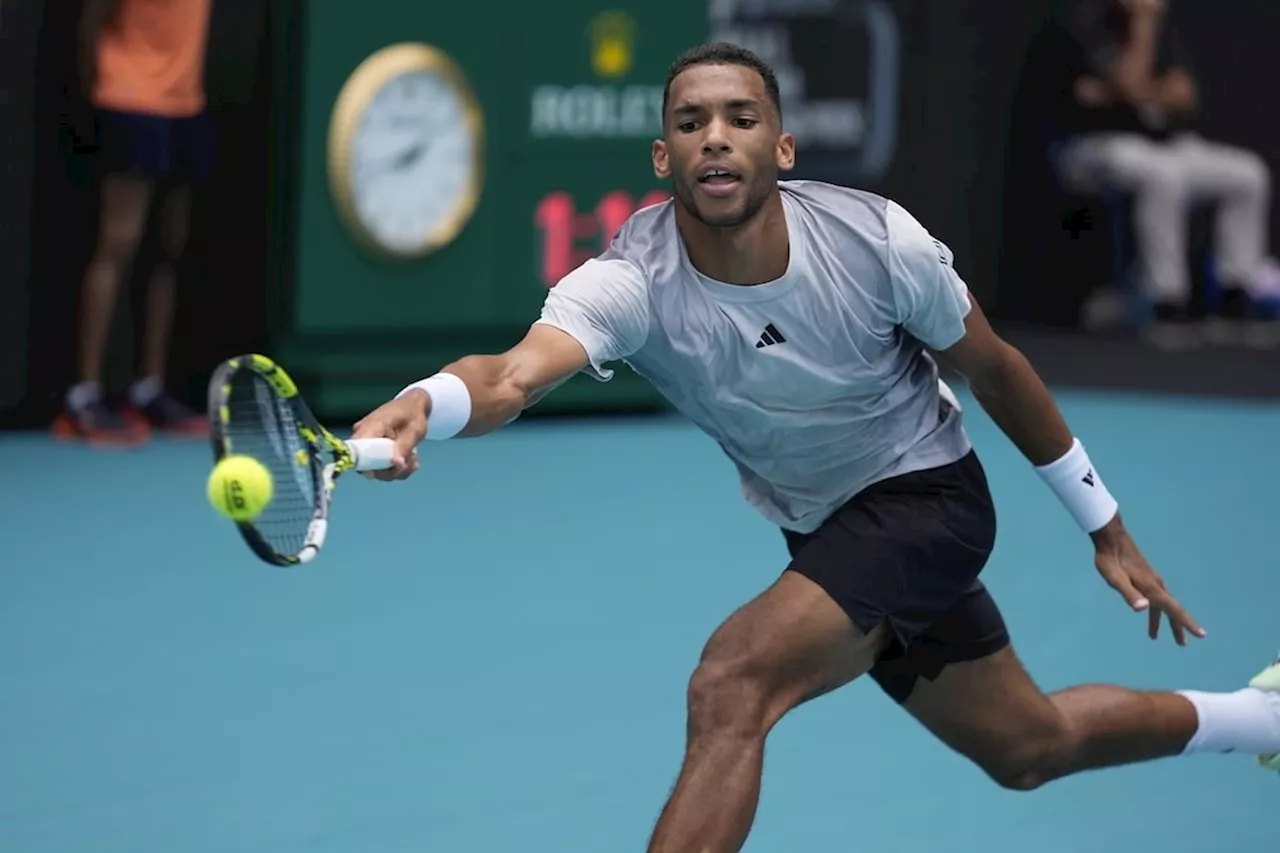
(50, 210)
(966, 165)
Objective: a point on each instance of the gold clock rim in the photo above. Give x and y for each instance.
(349, 108)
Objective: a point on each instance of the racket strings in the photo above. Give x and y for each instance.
(262, 425)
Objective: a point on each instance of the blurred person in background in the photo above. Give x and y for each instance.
(1130, 126)
(141, 66)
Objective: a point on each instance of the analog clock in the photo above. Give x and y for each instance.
(406, 149)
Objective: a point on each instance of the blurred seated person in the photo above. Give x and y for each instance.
(142, 69)
(1131, 127)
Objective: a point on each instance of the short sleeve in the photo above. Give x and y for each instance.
(930, 299)
(604, 305)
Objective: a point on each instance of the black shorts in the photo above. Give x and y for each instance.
(906, 553)
(170, 150)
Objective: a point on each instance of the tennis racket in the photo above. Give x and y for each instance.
(255, 410)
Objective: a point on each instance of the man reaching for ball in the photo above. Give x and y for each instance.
(794, 323)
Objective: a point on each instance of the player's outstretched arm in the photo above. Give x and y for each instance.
(473, 395)
(1010, 391)
(596, 314)
(1013, 394)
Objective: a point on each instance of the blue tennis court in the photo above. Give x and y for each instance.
(493, 656)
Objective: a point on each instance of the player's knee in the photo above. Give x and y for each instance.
(1019, 775)
(725, 698)
(1034, 759)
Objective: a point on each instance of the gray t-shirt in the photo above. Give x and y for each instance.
(816, 384)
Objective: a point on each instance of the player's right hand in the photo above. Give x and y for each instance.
(404, 420)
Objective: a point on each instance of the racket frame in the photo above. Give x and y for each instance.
(316, 439)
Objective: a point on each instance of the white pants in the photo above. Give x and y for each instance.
(1164, 178)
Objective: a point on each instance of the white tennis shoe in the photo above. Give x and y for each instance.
(1269, 681)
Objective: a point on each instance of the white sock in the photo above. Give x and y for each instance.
(1247, 721)
(83, 394)
(144, 391)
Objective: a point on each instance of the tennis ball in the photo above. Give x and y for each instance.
(240, 487)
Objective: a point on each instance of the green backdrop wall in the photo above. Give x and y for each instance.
(569, 123)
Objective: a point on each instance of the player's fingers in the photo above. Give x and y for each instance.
(1179, 618)
(1120, 582)
(372, 427)
(1183, 622)
(402, 467)
(386, 475)
(405, 452)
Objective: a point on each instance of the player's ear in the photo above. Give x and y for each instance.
(661, 165)
(786, 152)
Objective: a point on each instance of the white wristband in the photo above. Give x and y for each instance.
(450, 405)
(1077, 484)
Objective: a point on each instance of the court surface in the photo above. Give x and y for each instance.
(493, 656)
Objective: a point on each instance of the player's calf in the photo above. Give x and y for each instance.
(1088, 728)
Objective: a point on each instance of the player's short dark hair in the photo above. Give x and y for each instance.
(724, 53)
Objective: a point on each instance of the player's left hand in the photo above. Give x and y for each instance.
(1124, 568)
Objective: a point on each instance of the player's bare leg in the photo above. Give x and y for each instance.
(1026, 738)
(789, 645)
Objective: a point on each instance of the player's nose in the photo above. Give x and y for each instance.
(716, 138)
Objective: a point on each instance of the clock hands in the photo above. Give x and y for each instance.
(406, 158)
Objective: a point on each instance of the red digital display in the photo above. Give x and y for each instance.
(568, 236)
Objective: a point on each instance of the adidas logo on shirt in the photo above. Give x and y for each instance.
(770, 337)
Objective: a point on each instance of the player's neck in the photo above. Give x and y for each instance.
(755, 252)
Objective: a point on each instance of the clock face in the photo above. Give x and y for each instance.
(413, 164)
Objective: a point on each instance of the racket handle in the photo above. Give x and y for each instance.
(372, 454)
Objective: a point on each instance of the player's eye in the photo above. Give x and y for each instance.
(745, 122)
(687, 126)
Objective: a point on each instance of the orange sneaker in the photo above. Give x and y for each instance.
(167, 415)
(98, 425)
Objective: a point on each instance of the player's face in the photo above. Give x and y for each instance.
(723, 144)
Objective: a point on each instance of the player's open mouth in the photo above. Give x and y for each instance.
(719, 181)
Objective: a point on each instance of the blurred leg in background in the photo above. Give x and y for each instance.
(1147, 170)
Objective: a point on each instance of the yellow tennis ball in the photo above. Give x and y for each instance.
(240, 487)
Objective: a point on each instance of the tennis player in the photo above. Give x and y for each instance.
(797, 324)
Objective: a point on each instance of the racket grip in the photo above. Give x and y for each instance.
(372, 454)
